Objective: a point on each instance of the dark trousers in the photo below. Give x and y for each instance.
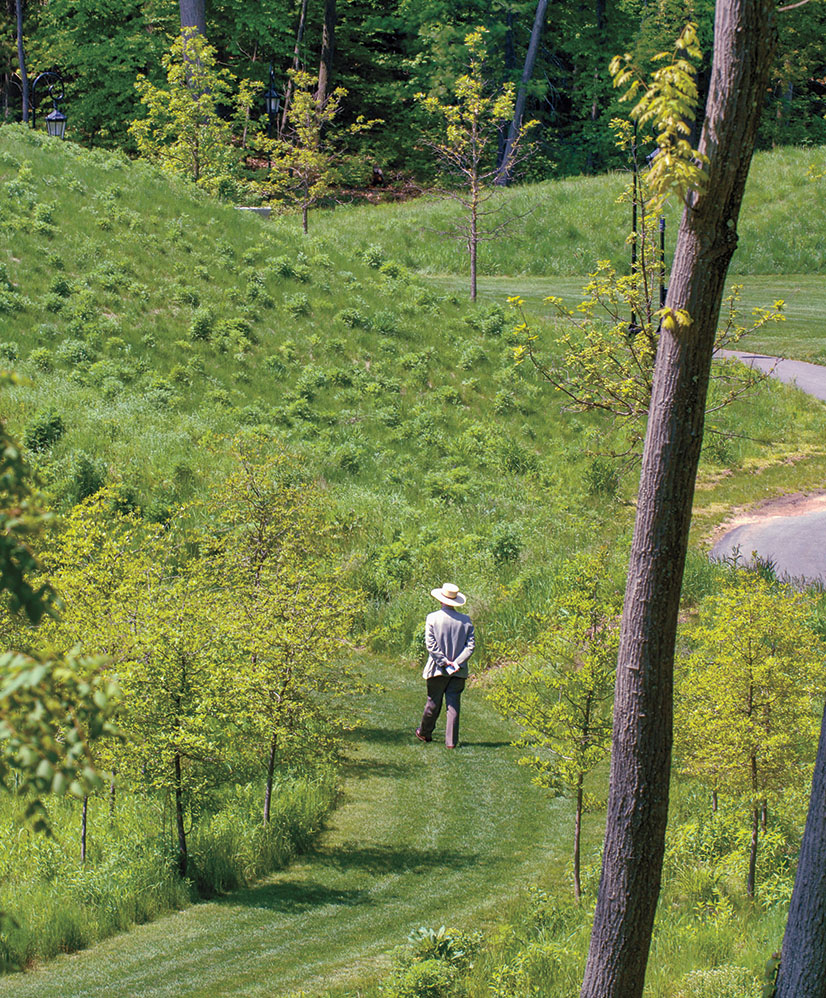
(449, 689)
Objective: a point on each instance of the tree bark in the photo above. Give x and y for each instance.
(302, 20)
(755, 836)
(21, 59)
(270, 772)
(803, 959)
(328, 44)
(193, 15)
(578, 838)
(183, 858)
(641, 755)
(519, 108)
(84, 820)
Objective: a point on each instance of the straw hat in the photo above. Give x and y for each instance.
(448, 594)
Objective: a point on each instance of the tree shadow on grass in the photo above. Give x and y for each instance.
(362, 769)
(383, 736)
(295, 896)
(392, 859)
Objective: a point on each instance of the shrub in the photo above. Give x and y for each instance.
(471, 357)
(10, 302)
(297, 304)
(505, 545)
(386, 322)
(373, 256)
(41, 359)
(43, 430)
(353, 318)
(391, 269)
(602, 478)
(86, 477)
(9, 351)
(75, 352)
(727, 981)
(425, 979)
(203, 322)
(60, 286)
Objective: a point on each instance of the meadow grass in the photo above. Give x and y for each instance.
(563, 227)
(421, 836)
(55, 904)
(156, 322)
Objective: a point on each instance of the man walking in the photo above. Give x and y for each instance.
(450, 642)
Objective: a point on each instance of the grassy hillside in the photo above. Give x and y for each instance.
(564, 227)
(150, 323)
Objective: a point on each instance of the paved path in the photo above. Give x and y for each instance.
(795, 544)
(809, 378)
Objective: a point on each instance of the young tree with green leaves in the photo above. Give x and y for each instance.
(52, 708)
(562, 695)
(183, 129)
(606, 355)
(177, 711)
(291, 607)
(305, 159)
(468, 144)
(745, 720)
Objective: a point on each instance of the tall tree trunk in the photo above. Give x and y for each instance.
(803, 959)
(270, 772)
(519, 108)
(84, 820)
(21, 59)
(473, 241)
(755, 836)
(288, 94)
(578, 838)
(193, 15)
(510, 64)
(641, 755)
(183, 858)
(328, 45)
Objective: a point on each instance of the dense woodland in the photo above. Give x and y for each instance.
(383, 54)
(237, 452)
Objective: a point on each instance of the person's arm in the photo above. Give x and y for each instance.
(467, 651)
(432, 645)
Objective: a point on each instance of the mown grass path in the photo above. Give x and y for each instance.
(423, 836)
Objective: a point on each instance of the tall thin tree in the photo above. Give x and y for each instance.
(21, 59)
(744, 38)
(506, 161)
(328, 45)
(299, 35)
(193, 15)
(802, 972)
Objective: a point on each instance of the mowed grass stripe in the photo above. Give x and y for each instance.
(422, 836)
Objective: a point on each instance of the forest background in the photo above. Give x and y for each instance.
(385, 53)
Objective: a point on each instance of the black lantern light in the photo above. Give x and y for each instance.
(272, 101)
(56, 123)
(55, 119)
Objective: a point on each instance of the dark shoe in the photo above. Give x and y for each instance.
(421, 737)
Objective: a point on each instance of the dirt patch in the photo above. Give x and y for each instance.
(795, 504)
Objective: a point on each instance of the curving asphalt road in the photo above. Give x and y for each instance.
(796, 545)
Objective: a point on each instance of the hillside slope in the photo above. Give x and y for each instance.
(564, 227)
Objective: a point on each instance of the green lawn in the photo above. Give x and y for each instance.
(802, 336)
(422, 836)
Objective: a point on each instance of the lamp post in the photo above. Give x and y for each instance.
(272, 100)
(55, 119)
